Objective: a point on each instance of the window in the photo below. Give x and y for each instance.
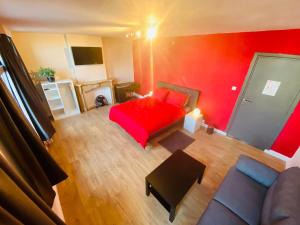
(11, 87)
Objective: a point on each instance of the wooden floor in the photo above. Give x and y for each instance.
(107, 171)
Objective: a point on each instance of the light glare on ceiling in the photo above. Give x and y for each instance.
(148, 30)
(138, 34)
(151, 33)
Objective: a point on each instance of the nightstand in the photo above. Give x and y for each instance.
(192, 122)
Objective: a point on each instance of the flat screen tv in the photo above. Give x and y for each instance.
(87, 55)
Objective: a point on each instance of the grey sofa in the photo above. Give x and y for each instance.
(255, 194)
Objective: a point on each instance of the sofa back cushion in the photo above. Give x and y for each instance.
(258, 171)
(242, 196)
(282, 202)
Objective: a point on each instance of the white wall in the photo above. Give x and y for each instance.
(295, 160)
(4, 30)
(43, 49)
(118, 58)
(87, 72)
(50, 50)
(1, 29)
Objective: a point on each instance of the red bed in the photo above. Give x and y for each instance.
(144, 117)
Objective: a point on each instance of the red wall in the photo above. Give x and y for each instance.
(212, 64)
(288, 140)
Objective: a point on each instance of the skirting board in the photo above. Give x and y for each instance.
(60, 117)
(141, 96)
(223, 133)
(137, 95)
(276, 154)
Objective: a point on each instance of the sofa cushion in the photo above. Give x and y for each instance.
(217, 214)
(282, 202)
(242, 195)
(287, 221)
(261, 173)
(266, 211)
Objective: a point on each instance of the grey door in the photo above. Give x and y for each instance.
(269, 95)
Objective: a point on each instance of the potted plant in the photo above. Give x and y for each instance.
(47, 72)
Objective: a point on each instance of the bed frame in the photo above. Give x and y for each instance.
(191, 104)
(192, 93)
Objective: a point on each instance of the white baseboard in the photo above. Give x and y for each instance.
(142, 96)
(223, 133)
(137, 95)
(276, 154)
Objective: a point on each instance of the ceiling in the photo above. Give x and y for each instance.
(175, 17)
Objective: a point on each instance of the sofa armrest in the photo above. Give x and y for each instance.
(258, 171)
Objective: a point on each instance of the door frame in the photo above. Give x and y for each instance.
(249, 76)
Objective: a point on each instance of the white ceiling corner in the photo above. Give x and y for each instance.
(176, 17)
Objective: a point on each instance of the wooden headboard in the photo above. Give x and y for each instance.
(192, 93)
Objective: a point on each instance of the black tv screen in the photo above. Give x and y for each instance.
(87, 55)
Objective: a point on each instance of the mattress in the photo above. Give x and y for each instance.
(142, 118)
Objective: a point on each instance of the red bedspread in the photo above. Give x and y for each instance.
(143, 117)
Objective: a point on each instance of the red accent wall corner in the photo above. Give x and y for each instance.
(213, 64)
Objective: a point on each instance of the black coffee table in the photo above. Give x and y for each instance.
(172, 179)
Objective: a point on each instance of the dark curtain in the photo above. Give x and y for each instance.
(27, 171)
(40, 91)
(19, 204)
(33, 103)
(24, 146)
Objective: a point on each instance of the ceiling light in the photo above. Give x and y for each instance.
(138, 34)
(151, 33)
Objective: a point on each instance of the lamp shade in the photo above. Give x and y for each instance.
(196, 112)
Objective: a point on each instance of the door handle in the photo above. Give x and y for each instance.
(247, 100)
